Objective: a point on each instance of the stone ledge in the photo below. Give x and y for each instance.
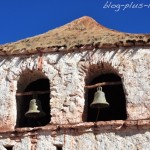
(100, 125)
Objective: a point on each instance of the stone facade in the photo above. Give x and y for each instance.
(68, 73)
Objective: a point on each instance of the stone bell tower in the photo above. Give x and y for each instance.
(80, 86)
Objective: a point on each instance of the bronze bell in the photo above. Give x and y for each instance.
(35, 109)
(99, 99)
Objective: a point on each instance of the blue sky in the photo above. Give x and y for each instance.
(20, 19)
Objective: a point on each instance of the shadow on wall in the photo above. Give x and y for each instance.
(115, 97)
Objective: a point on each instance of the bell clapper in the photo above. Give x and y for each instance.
(99, 88)
(97, 114)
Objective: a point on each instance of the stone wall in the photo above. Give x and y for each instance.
(68, 73)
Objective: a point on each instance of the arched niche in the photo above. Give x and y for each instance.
(32, 81)
(115, 97)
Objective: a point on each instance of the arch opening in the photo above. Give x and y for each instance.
(115, 97)
(39, 84)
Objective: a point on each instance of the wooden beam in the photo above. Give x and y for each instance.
(102, 84)
(32, 92)
(88, 87)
